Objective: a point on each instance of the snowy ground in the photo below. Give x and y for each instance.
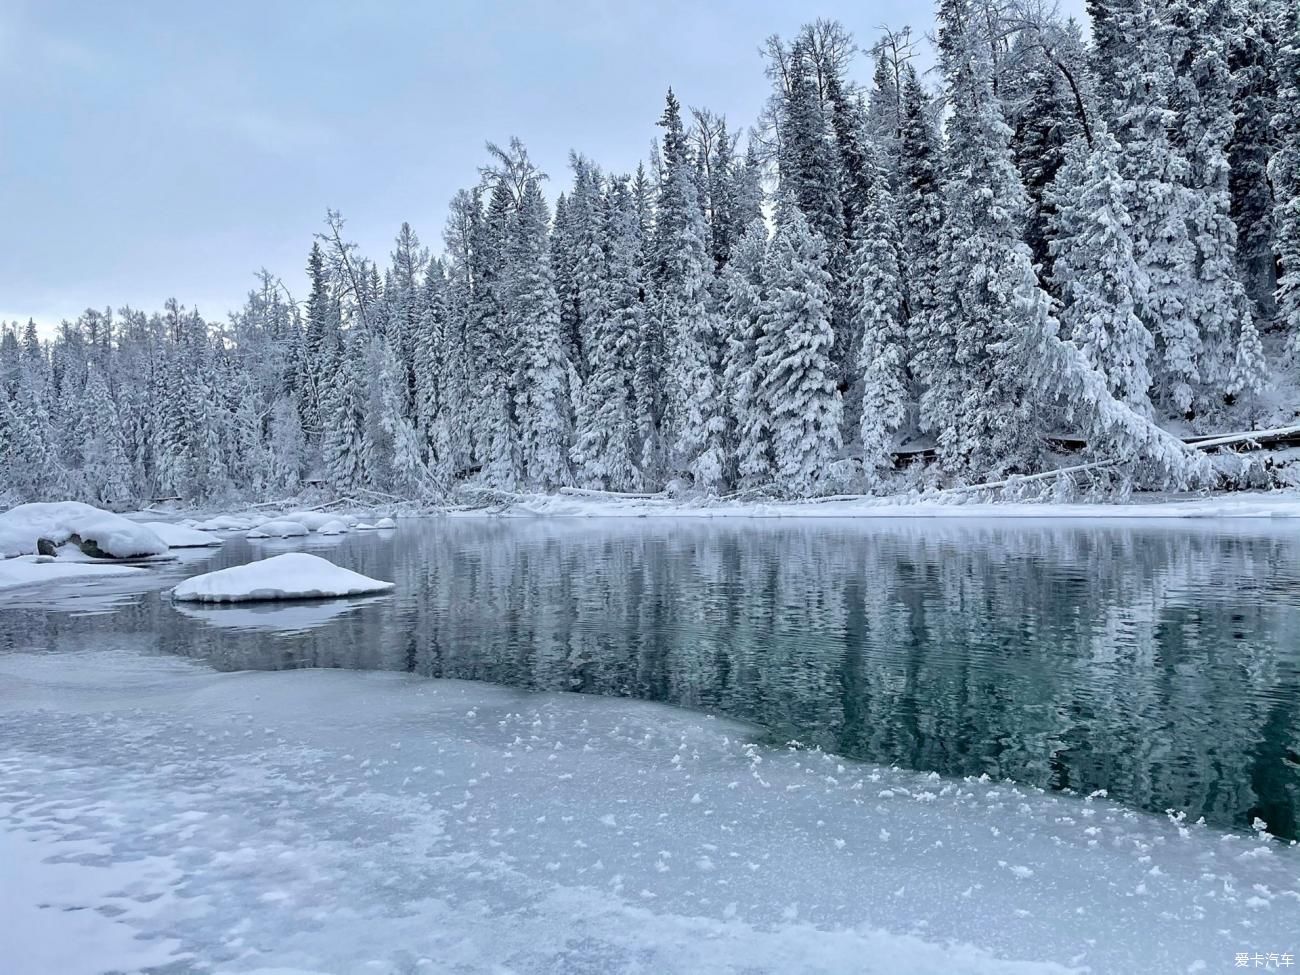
(1273, 504)
(153, 813)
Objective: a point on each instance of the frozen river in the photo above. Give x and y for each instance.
(164, 814)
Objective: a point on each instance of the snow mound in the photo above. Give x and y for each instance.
(225, 523)
(336, 527)
(313, 521)
(280, 528)
(180, 536)
(58, 521)
(385, 523)
(363, 526)
(27, 570)
(294, 575)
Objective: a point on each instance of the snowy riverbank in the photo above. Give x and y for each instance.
(157, 813)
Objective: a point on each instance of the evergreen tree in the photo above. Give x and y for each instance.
(796, 389)
(1096, 271)
(1284, 169)
(542, 384)
(876, 302)
(749, 446)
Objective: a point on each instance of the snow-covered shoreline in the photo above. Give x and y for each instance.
(1270, 505)
(166, 813)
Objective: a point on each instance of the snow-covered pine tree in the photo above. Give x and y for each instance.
(749, 448)
(1200, 35)
(408, 474)
(1096, 273)
(105, 469)
(287, 446)
(1136, 72)
(605, 446)
(876, 310)
(792, 357)
(1253, 59)
(343, 447)
(541, 386)
(1284, 169)
(920, 217)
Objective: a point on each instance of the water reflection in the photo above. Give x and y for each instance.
(1160, 664)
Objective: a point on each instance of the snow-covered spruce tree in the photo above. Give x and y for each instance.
(321, 345)
(1284, 169)
(876, 310)
(106, 472)
(451, 425)
(493, 344)
(1200, 35)
(407, 471)
(541, 387)
(920, 217)
(1253, 59)
(692, 424)
(806, 156)
(343, 447)
(792, 357)
(1096, 273)
(748, 448)
(605, 451)
(287, 445)
(1016, 377)
(1135, 70)
(1047, 121)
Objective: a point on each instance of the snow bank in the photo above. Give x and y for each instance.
(28, 570)
(58, 521)
(294, 575)
(1278, 504)
(223, 818)
(280, 528)
(179, 536)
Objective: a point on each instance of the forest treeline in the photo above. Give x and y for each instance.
(1049, 235)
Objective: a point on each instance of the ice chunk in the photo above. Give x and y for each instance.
(280, 528)
(99, 531)
(294, 575)
(178, 536)
(29, 570)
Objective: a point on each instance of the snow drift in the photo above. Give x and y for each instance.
(294, 575)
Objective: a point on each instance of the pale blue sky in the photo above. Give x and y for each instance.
(154, 148)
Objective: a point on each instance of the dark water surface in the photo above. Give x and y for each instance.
(1159, 663)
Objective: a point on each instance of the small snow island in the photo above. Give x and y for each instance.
(294, 575)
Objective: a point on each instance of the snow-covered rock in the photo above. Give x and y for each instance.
(179, 536)
(294, 575)
(363, 526)
(280, 528)
(385, 523)
(59, 521)
(336, 527)
(29, 570)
